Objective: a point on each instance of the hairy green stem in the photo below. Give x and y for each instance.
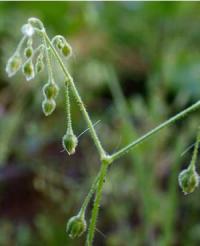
(78, 99)
(195, 152)
(95, 210)
(170, 121)
(47, 54)
(68, 108)
(20, 44)
(89, 195)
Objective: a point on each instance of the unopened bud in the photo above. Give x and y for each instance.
(66, 50)
(69, 142)
(188, 180)
(39, 65)
(28, 70)
(13, 65)
(76, 226)
(59, 44)
(28, 52)
(48, 106)
(50, 90)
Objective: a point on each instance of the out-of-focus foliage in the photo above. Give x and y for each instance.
(135, 64)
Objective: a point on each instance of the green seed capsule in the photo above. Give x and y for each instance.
(76, 226)
(59, 44)
(188, 180)
(39, 66)
(28, 52)
(70, 142)
(50, 90)
(28, 70)
(48, 106)
(66, 50)
(13, 65)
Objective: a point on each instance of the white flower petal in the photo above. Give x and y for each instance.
(27, 30)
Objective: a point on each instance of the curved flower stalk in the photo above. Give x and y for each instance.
(32, 60)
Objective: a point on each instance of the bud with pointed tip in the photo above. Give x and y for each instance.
(70, 142)
(48, 106)
(13, 65)
(50, 90)
(76, 226)
(28, 70)
(188, 180)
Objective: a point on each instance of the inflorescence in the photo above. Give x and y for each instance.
(32, 58)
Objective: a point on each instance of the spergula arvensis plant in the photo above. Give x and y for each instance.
(32, 59)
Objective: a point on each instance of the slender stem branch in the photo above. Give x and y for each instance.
(20, 44)
(195, 152)
(47, 54)
(170, 121)
(79, 100)
(95, 210)
(90, 194)
(68, 109)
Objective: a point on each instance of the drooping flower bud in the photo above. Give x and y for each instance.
(69, 142)
(66, 50)
(28, 52)
(59, 44)
(76, 226)
(28, 70)
(48, 106)
(13, 65)
(50, 90)
(39, 66)
(188, 180)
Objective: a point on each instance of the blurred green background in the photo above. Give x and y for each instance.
(135, 64)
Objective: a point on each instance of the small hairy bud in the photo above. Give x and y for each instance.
(50, 90)
(76, 226)
(69, 142)
(188, 180)
(13, 65)
(28, 52)
(28, 70)
(48, 106)
(59, 44)
(28, 30)
(66, 50)
(39, 66)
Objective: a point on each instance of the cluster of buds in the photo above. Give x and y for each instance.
(25, 61)
(50, 92)
(31, 61)
(62, 45)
